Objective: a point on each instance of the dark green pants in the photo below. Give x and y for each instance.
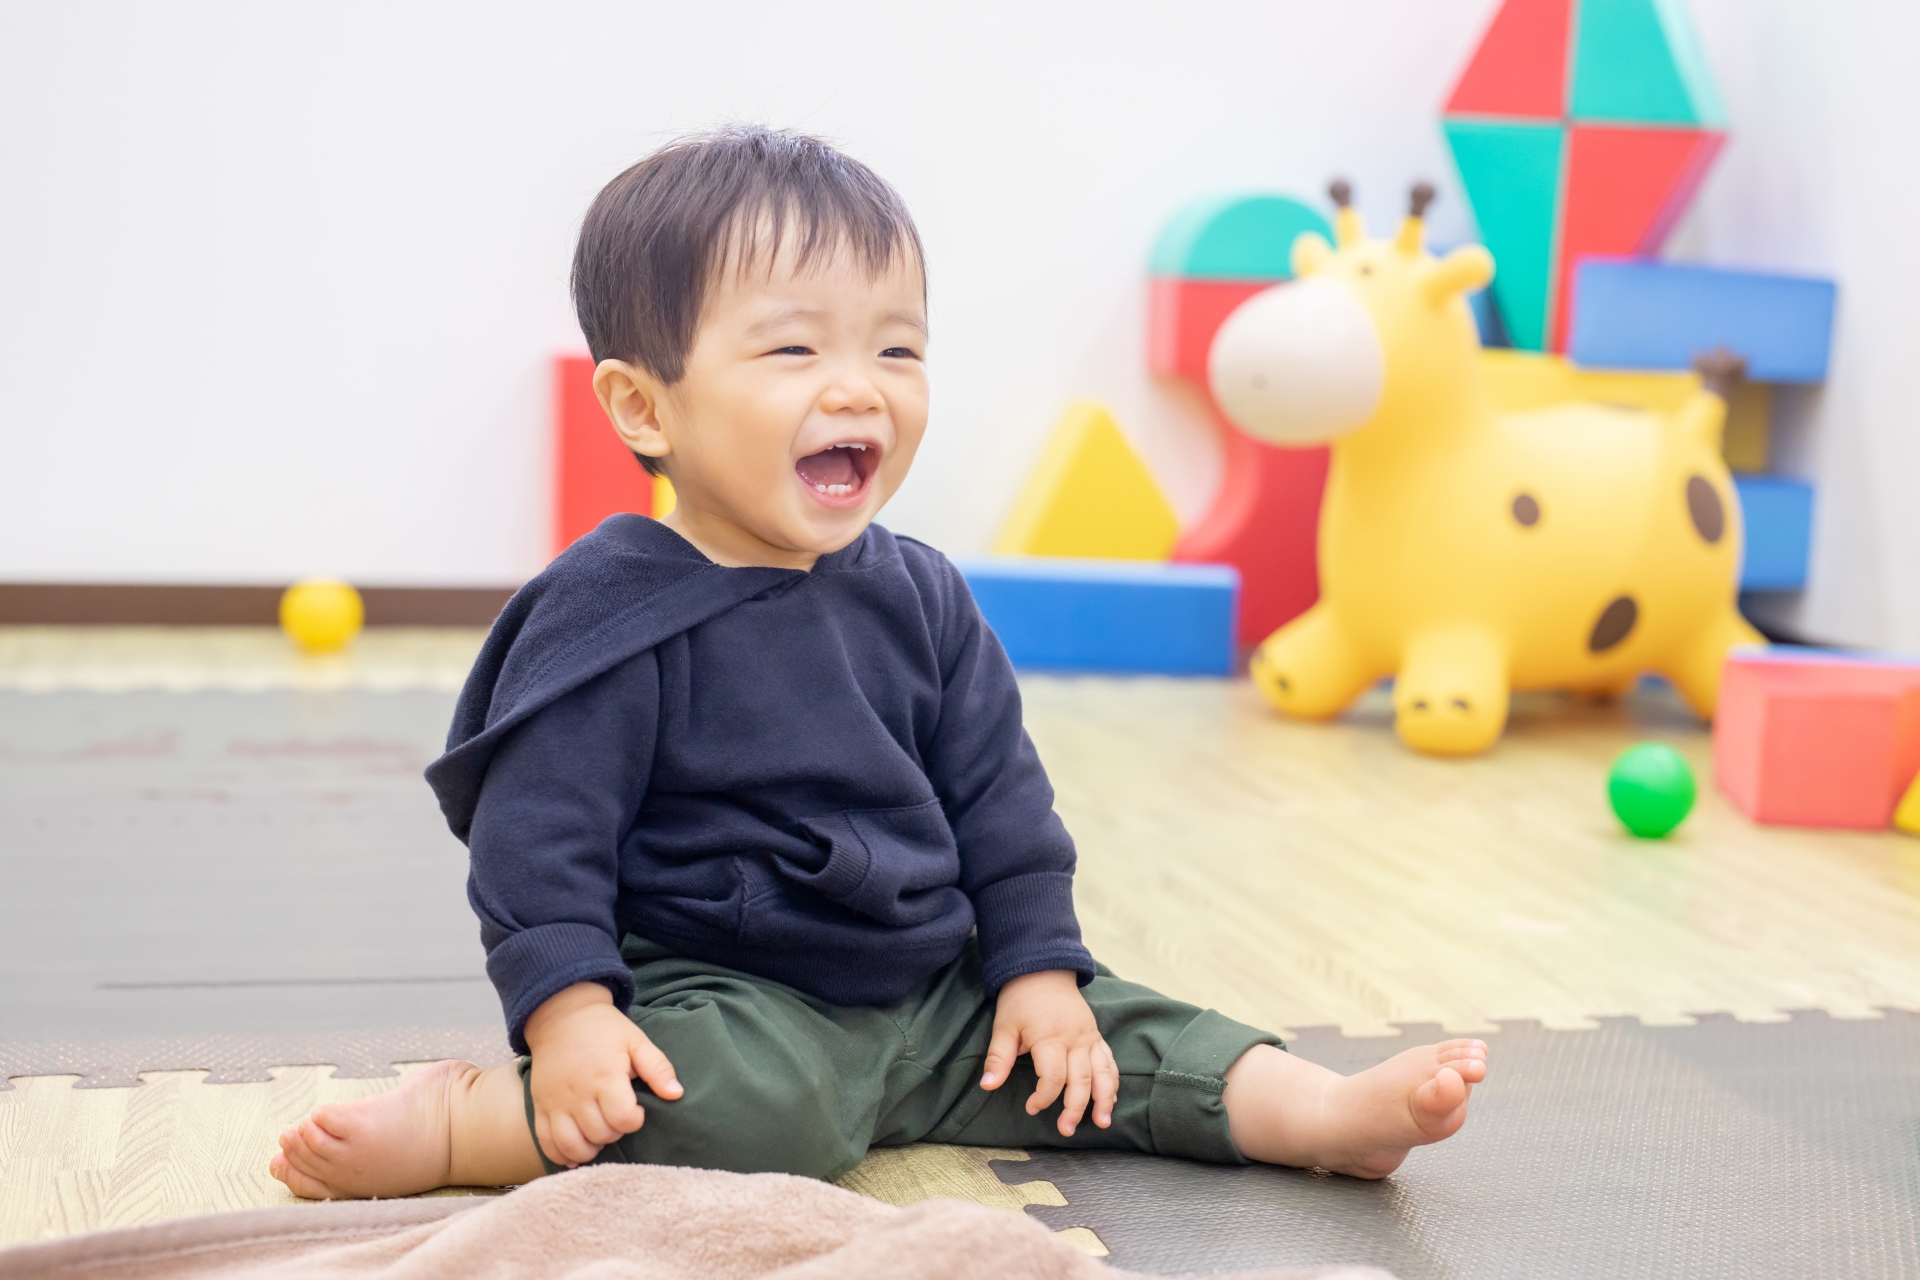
(779, 1081)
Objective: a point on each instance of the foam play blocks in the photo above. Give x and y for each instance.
(1747, 439)
(1109, 615)
(1817, 739)
(1579, 127)
(1264, 521)
(594, 474)
(1090, 495)
(1778, 515)
(1663, 315)
(1906, 815)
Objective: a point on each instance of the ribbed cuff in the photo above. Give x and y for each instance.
(1187, 1111)
(536, 964)
(1027, 926)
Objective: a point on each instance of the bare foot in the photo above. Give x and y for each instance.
(1285, 1110)
(450, 1124)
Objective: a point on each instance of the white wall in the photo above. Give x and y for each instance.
(278, 285)
(1821, 176)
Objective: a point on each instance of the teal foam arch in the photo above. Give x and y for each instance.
(1238, 237)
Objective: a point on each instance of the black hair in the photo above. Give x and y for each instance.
(657, 236)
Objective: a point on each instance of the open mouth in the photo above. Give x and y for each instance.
(838, 475)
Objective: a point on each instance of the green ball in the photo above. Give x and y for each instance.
(1651, 789)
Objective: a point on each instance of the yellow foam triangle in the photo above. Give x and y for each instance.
(1907, 815)
(1091, 496)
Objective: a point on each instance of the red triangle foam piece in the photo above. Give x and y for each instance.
(1520, 66)
(1625, 188)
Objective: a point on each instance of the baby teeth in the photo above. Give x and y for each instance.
(835, 489)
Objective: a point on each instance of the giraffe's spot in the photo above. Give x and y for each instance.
(1283, 684)
(1703, 504)
(1526, 510)
(1614, 625)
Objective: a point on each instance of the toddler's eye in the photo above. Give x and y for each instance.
(900, 353)
(792, 351)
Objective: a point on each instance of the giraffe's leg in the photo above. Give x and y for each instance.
(1696, 671)
(1450, 698)
(1311, 668)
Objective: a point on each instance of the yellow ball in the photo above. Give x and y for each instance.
(321, 615)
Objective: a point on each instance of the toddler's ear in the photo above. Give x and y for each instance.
(631, 397)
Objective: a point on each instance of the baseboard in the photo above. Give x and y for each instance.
(159, 604)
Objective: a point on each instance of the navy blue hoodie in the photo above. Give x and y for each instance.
(817, 777)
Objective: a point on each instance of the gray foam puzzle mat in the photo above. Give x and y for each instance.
(1723, 1149)
(230, 881)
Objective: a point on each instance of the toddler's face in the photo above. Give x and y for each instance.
(803, 402)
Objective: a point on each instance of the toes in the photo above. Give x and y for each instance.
(1468, 1057)
(306, 1186)
(1440, 1104)
(334, 1120)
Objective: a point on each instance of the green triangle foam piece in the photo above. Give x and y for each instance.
(1640, 62)
(1513, 175)
(1234, 238)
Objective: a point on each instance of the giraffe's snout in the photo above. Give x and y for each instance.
(1298, 364)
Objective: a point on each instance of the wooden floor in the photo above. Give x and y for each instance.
(1304, 874)
(1290, 875)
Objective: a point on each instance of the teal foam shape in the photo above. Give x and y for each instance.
(1237, 237)
(1640, 62)
(1513, 174)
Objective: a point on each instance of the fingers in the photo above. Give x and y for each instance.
(1079, 1089)
(1050, 1064)
(569, 1146)
(1001, 1052)
(652, 1067)
(1106, 1084)
(543, 1138)
(621, 1110)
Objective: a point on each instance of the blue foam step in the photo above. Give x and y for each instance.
(1109, 615)
(1634, 314)
(1778, 514)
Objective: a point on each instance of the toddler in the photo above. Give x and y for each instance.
(766, 867)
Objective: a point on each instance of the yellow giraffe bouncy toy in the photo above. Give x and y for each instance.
(1464, 551)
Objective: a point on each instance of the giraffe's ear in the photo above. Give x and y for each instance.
(1310, 253)
(1467, 268)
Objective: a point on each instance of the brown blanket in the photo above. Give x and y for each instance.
(617, 1222)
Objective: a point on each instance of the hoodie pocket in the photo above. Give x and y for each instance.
(889, 865)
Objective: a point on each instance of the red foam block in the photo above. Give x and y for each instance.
(594, 474)
(1817, 740)
(1520, 66)
(1626, 187)
(1265, 520)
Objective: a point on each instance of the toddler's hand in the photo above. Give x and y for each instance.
(586, 1054)
(1045, 1015)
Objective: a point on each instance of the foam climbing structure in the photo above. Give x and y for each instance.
(1108, 615)
(1579, 127)
(1264, 518)
(594, 474)
(1816, 739)
(1090, 495)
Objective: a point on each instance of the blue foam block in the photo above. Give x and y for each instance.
(1109, 615)
(1632, 314)
(1779, 518)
